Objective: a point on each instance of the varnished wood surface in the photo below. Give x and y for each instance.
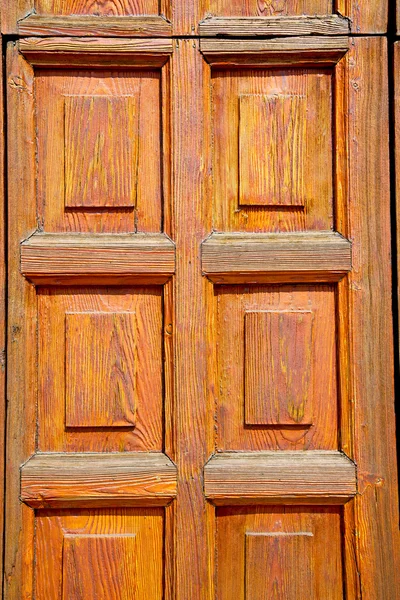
(311, 477)
(251, 257)
(3, 309)
(90, 480)
(54, 256)
(274, 26)
(301, 51)
(72, 25)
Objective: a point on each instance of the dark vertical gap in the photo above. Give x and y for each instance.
(391, 38)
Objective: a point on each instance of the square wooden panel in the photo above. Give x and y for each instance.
(276, 367)
(101, 369)
(99, 149)
(271, 150)
(100, 365)
(101, 144)
(279, 552)
(108, 554)
(279, 368)
(273, 167)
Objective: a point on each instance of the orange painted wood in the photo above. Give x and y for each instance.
(232, 306)
(111, 561)
(279, 374)
(101, 144)
(103, 549)
(311, 477)
(278, 564)
(101, 370)
(90, 480)
(61, 257)
(237, 525)
(271, 150)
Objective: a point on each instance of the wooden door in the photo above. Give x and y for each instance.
(200, 364)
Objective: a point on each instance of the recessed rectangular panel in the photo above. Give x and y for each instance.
(278, 368)
(100, 9)
(100, 369)
(279, 566)
(272, 149)
(101, 145)
(102, 567)
(268, 8)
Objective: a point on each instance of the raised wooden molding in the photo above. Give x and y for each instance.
(284, 477)
(89, 480)
(300, 51)
(274, 26)
(139, 26)
(96, 51)
(116, 258)
(276, 257)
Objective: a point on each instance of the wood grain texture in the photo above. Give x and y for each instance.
(101, 147)
(278, 565)
(271, 150)
(371, 359)
(147, 432)
(100, 370)
(58, 257)
(111, 561)
(92, 51)
(103, 531)
(3, 308)
(232, 303)
(254, 257)
(88, 480)
(366, 17)
(265, 8)
(22, 323)
(315, 85)
(236, 525)
(300, 51)
(97, 7)
(145, 87)
(310, 477)
(278, 26)
(279, 375)
(72, 25)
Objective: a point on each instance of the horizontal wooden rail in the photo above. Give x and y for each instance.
(135, 26)
(116, 258)
(96, 51)
(90, 480)
(296, 51)
(300, 477)
(276, 257)
(274, 26)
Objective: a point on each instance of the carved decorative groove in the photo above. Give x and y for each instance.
(91, 51)
(279, 368)
(283, 477)
(301, 51)
(279, 565)
(37, 25)
(62, 257)
(90, 480)
(284, 26)
(253, 258)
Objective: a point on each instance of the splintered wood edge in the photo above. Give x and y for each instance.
(135, 26)
(274, 26)
(287, 477)
(305, 50)
(96, 51)
(276, 257)
(87, 480)
(65, 256)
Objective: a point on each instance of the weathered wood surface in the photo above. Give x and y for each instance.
(89, 480)
(275, 257)
(302, 50)
(309, 477)
(3, 309)
(64, 256)
(73, 25)
(280, 26)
